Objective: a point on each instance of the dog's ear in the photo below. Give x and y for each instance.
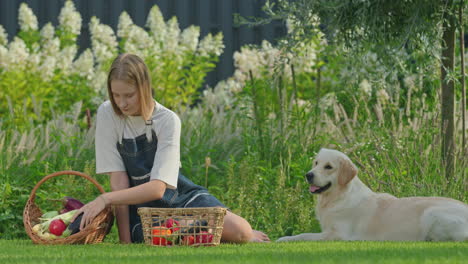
(347, 172)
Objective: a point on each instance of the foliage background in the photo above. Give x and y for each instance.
(258, 128)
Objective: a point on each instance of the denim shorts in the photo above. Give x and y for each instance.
(202, 199)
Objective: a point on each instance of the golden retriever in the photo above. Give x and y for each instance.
(348, 210)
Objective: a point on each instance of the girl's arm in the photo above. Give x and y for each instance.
(152, 190)
(119, 181)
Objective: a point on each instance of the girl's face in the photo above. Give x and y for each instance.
(126, 97)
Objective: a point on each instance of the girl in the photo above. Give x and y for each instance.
(138, 145)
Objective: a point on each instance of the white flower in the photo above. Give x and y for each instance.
(47, 31)
(3, 36)
(290, 25)
(4, 58)
(233, 86)
(365, 87)
(50, 47)
(84, 65)
(268, 61)
(409, 81)
(328, 101)
(306, 58)
(47, 67)
(301, 102)
(130, 47)
(218, 46)
(139, 42)
(155, 22)
(246, 61)
(18, 53)
(103, 41)
(66, 59)
(205, 45)
(125, 25)
(239, 76)
(26, 18)
(189, 38)
(210, 45)
(101, 52)
(99, 83)
(382, 96)
(172, 36)
(102, 33)
(220, 96)
(272, 116)
(34, 60)
(35, 48)
(70, 19)
(230, 86)
(269, 55)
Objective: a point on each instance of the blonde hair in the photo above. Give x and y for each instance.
(132, 69)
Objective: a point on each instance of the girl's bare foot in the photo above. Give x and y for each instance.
(259, 236)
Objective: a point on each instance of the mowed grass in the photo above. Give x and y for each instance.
(24, 251)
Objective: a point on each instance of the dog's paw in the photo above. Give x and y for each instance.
(284, 239)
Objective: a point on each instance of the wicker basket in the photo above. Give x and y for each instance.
(92, 233)
(200, 226)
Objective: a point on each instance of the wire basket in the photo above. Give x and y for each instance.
(198, 226)
(91, 234)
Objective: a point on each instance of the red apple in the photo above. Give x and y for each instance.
(57, 227)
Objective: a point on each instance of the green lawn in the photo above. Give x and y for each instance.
(23, 251)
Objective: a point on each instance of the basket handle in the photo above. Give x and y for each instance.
(32, 196)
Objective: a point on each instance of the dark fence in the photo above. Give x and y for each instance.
(211, 15)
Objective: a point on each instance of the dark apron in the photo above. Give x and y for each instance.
(138, 158)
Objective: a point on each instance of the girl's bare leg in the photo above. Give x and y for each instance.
(237, 230)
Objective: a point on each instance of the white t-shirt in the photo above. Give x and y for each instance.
(166, 125)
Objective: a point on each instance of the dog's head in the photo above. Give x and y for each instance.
(331, 169)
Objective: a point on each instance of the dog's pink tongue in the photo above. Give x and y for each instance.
(313, 188)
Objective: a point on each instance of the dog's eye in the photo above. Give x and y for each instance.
(328, 167)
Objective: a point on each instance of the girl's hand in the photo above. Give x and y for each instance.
(90, 211)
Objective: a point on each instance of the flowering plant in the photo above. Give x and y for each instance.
(42, 72)
(40, 75)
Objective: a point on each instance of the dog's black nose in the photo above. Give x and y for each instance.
(310, 177)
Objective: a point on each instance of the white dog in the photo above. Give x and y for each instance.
(348, 210)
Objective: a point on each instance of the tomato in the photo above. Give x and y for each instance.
(188, 240)
(205, 237)
(172, 224)
(160, 235)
